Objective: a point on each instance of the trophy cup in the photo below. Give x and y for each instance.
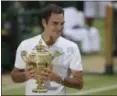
(39, 59)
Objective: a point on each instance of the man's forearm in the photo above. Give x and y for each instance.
(73, 83)
(18, 77)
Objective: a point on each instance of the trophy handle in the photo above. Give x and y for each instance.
(24, 56)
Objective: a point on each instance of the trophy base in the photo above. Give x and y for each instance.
(41, 90)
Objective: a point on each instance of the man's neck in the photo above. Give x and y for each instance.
(48, 40)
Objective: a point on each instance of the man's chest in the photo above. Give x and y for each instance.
(61, 64)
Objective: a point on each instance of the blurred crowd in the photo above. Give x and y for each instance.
(21, 20)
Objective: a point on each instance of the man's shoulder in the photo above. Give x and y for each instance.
(67, 43)
(30, 41)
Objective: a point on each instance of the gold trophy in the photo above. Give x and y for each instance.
(39, 59)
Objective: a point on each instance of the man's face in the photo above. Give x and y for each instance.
(54, 26)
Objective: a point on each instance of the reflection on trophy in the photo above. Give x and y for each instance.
(39, 59)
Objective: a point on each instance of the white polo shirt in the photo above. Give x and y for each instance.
(70, 59)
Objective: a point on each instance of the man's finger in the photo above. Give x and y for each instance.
(44, 74)
(29, 67)
(32, 71)
(47, 70)
(50, 66)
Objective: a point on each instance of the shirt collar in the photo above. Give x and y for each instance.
(55, 46)
(43, 42)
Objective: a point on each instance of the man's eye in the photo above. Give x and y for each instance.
(62, 23)
(55, 23)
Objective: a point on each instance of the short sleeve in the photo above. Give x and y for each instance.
(19, 63)
(75, 62)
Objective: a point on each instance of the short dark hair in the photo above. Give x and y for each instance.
(51, 8)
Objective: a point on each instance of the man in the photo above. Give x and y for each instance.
(67, 68)
(75, 29)
(92, 32)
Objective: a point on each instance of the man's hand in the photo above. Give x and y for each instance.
(48, 74)
(22, 75)
(30, 73)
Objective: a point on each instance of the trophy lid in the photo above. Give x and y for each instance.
(41, 49)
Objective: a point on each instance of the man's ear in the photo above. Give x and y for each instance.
(44, 23)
